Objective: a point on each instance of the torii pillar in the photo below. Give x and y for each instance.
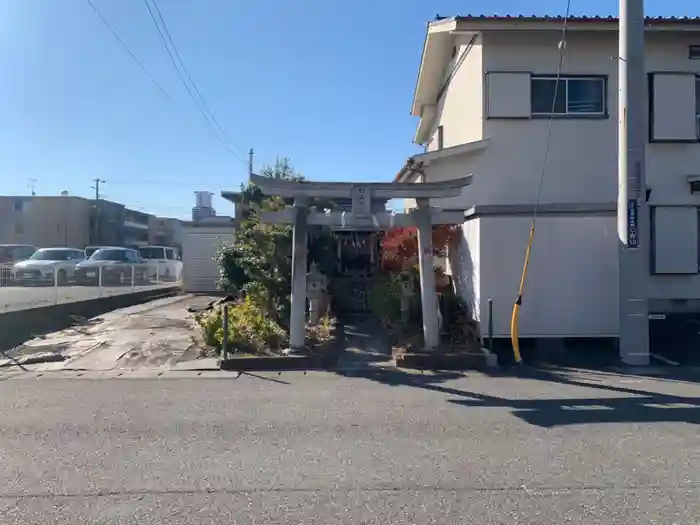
(428, 292)
(297, 321)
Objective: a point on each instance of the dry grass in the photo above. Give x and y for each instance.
(322, 333)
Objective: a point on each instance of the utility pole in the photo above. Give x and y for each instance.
(96, 187)
(32, 186)
(98, 209)
(251, 154)
(633, 226)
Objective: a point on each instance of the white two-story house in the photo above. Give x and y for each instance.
(484, 100)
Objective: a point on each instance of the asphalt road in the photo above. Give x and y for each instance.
(324, 449)
(25, 297)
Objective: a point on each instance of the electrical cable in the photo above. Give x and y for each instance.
(194, 84)
(154, 81)
(128, 50)
(192, 91)
(523, 277)
(159, 182)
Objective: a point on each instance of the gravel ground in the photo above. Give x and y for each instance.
(326, 449)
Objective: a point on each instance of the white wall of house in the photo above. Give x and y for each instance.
(494, 84)
(583, 153)
(582, 159)
(460, 109)
(571, 289)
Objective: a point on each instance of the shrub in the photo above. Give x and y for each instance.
(384, 300)
(462, 330)
(210, 323)
(250, 328)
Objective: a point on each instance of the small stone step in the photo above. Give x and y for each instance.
(435, 361)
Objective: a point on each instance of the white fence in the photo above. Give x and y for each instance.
(21, 289)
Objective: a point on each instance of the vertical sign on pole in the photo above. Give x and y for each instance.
(632, 234)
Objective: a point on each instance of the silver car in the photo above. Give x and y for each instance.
(48, 266)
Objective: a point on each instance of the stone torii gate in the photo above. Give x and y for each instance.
(368, 210)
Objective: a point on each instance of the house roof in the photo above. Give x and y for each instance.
(438, 42)
(576, 19)
(415, 164)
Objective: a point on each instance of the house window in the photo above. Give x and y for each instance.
(575, 96)
(694, 52)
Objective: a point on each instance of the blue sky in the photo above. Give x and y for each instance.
(324, 82)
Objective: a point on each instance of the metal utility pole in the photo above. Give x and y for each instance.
(96, 187)
(632, 209)
(98, 209)
(251, 154)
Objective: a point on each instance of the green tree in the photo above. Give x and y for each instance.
(259, 260)
(258, 263)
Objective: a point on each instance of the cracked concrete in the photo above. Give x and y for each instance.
(155, 334)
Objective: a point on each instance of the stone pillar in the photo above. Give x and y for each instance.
(429, 301)
(297, 322)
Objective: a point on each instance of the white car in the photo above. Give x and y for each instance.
(165, 263)
(48, 266)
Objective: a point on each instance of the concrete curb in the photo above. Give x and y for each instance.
(433, 361)
(491, 358)
(275, 363)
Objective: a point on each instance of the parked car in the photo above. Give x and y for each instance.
(48, 265)
(116, 264)
(11, 254)
(89, 250)
(165, 262)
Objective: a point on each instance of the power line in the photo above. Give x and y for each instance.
(180, 68)
(128, 50)
(155, 82)
(158, 206)
(161, 183)
(186, 71)
(521, 289)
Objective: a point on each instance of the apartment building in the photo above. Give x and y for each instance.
(485, 103)
(165, 232)
(45, 221)
(64, 220)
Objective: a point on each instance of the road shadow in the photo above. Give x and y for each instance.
(361, 343)
(629, 405)
(365, 346)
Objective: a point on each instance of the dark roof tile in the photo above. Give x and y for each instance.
(561, 18)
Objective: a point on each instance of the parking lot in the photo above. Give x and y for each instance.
(20, 293)
(13, 298)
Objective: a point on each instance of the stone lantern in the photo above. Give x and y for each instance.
(317, 293)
